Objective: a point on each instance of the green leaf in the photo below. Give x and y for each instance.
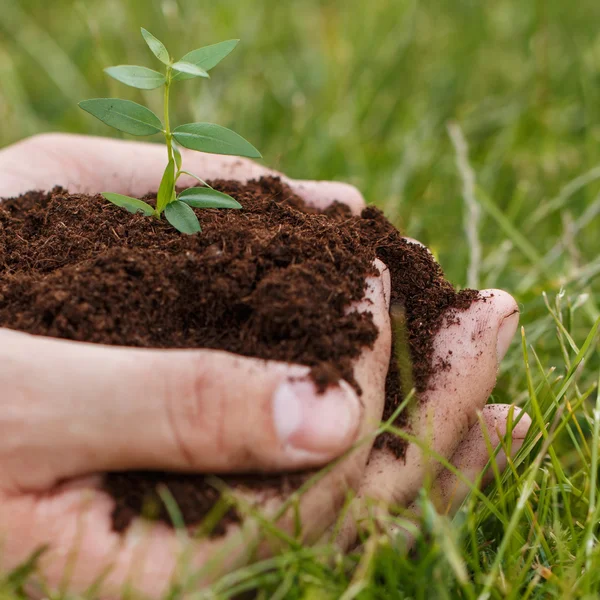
(123, 115)
(166, 187)
(133, 205)
(200, 197)
(157, 47)
(190, 69)
(207, 57)
(177, 157)
(137, 77)
(182, 217)
(208, 137)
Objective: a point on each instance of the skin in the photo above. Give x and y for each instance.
(74, 410)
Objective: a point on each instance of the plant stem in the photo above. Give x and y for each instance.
(168, 134)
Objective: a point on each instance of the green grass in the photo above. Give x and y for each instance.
(383, 94)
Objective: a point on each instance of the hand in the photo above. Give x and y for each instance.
(72, 409)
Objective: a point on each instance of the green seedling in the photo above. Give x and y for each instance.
(136, 119)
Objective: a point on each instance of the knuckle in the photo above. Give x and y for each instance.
(208, 417)
(195, 409)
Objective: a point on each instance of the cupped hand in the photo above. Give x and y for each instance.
(70, 410)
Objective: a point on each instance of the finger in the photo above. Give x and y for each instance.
(86, 164)
(146, 557)
(321, 504)
(472, 455)
(474, 347)
(321, 194)
(79, 408)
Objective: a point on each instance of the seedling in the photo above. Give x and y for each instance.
(136, 119)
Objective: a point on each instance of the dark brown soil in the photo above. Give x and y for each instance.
(273, 280)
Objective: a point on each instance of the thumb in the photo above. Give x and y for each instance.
(70, 408)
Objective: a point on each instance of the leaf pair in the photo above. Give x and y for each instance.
(204, 58)
(196, 63)
(143, 78)
(179, 212)
(135, 119)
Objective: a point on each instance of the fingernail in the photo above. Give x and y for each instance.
(519, 431)
(310, 424)
(506, 334)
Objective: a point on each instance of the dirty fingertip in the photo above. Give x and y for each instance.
(507, 311)
(519, 431)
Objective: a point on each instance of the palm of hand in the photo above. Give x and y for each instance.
(46, 449)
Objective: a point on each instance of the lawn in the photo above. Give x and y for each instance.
(382, 94)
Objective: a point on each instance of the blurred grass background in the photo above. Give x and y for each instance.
(368, 91)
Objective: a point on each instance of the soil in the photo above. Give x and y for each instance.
(273, 280)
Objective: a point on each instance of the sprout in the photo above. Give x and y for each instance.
(136, 119)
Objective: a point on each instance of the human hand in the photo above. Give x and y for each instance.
(69, 418)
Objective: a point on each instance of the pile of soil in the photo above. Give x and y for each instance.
(273, 280)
